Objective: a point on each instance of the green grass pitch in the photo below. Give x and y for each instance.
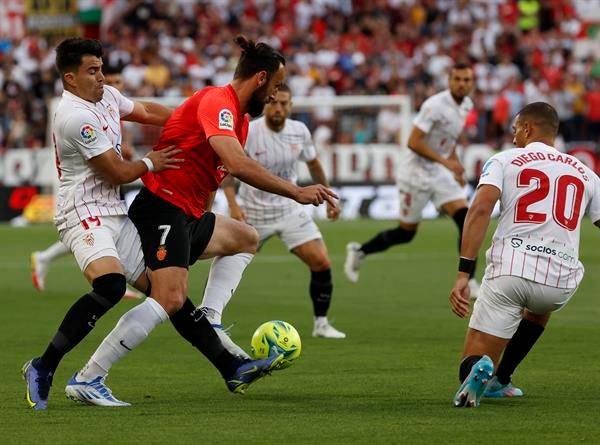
(390, 381)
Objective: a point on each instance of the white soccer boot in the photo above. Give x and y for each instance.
(94, 392)
(39, 269)
(322, 328)
(474, 288)
(354, 258)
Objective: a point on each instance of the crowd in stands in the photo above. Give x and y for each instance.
(521, 51)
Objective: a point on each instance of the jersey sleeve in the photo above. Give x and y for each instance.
(124, 104)
(83, 133)
(309, 151)
(216, 114)
(492, 173)
(426, 117)
(594, 205)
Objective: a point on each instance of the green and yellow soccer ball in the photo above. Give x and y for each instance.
(276, 337)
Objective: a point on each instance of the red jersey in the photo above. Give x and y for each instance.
(209, 112)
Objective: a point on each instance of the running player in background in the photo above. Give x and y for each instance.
(278, 143)
(533, 265)
(40, 260)
(431, 170)
(176, 230)
(91, 219)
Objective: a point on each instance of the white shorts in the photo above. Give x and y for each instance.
(294, 229)
(417, 189)
(114, 236)
(499, 308)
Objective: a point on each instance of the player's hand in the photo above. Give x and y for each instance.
(163, 159)
(236, 212)
(455, 167)
(316, 194)
(460, 179)
(333, 211)
(459, 296)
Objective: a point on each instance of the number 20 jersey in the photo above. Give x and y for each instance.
(544, 195)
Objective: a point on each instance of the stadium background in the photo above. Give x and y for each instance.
(521, 51)
(392, 379)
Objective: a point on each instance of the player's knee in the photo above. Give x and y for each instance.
(171, 303)
(108, 289)
(170, 295)
(250, 240)
(320, 263)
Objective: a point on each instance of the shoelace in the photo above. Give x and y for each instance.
(102, 388)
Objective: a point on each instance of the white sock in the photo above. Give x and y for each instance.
(54, 251)
(223, 279)
(131, 330)
(321, 320)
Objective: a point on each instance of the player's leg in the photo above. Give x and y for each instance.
(168, 253)
(302, 237)
(412, 203)
(496, 315)
(233, 245)
(450, 196)
(40, 262)
(133, 327)
(527, 334)
(96, 254)
(541, 301)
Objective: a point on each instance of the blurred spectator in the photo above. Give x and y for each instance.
(593, 112)
(521, 50)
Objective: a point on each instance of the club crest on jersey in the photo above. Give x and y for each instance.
(88, 134)
(88, 240)
(225, 119)
(161, 253)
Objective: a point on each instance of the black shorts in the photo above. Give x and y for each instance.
(169, 237)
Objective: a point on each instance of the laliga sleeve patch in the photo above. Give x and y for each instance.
(88, 134)
(225, 119)
(485, 171)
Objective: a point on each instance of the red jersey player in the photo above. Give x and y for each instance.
(175, 229)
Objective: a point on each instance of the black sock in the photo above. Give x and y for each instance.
(466, 365)
(387, 238)
(192, 324)
(82, 316)
(459, 218)
(517, 348)
(321, 287)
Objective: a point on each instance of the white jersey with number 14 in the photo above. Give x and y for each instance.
(81, 131)
(544, 195)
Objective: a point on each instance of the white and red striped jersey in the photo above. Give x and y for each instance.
(82, 130)
(544, 195)
(279, 152)
(443, 120)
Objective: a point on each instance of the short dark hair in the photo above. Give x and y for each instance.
(541, 114)
(461, 66)
(70, 52)
(285, 88)
(255, 58)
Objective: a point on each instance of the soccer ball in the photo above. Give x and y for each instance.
(276, 337)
